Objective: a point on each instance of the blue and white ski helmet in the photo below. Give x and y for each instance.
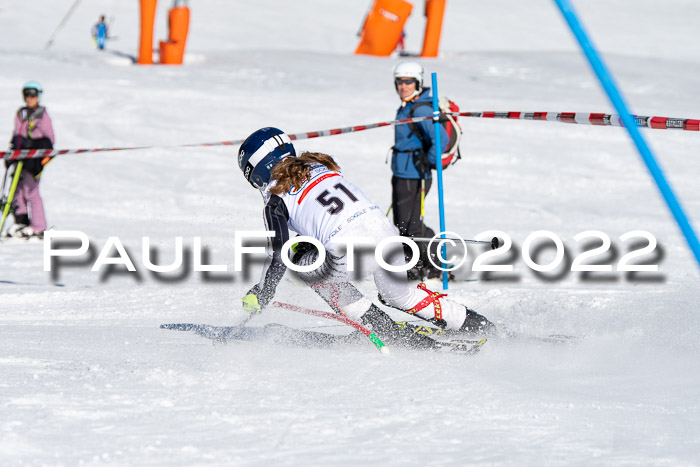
(260, 152)
(33, 85)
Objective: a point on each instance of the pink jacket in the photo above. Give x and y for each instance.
(38, 119)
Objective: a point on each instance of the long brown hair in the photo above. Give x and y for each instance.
(293, 171)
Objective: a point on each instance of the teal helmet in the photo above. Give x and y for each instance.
(32, 88)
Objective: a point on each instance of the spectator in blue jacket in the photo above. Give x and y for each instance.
(412, 163)
(100, 33)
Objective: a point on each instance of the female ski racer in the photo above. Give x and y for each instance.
(309, 195)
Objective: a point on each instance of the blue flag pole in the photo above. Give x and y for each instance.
(606, 80)
(438, 164)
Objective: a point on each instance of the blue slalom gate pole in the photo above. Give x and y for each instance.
(606, 80)
(438, 163)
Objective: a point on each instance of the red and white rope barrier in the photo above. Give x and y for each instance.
(599, 119)
(657, 123)
(41, 153)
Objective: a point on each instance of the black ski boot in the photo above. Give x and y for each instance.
(475, 323)
(415, 274)
(21, 219)
(432, 272)
(386, 328)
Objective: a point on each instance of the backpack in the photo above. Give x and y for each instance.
(449, 123)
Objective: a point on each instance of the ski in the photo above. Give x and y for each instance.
(8, 239)
(461, 346)
(273, 332)
(281, 334)
(20, 241)
(503, 334)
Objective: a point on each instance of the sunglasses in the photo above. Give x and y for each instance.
(398, 81)
(30, 92)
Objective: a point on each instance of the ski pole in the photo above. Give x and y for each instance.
(343, 319)
(645, 152)
(438, 163)
(422, 205)
(494, 242)
(61, 24)
(422, 223)
(11, 195)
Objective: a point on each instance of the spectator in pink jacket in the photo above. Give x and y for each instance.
(33, 130)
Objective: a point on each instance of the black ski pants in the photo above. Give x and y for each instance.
(405, 203)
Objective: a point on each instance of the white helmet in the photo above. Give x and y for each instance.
(410, 70)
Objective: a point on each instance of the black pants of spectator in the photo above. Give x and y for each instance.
(405, 203)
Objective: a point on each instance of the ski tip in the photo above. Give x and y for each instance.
(385, 350)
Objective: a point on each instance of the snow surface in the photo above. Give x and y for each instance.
(87, 376)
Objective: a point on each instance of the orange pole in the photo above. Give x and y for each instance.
(434, 10)
(148, 16)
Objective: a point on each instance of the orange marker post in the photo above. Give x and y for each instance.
(148, 16)
(172, 52)
(434, 10)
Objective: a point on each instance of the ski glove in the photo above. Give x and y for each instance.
(421, 161)
(254, 300)
(251, 305)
